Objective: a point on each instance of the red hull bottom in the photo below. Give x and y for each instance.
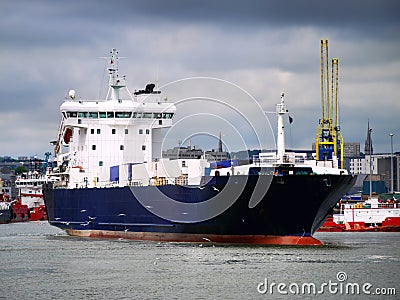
(200, 238)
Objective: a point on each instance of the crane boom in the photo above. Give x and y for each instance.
(339, 151)
(335, 90)
(329, 140)
(324, 80)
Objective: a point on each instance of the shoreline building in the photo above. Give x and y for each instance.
(380, 164)
(376, 164)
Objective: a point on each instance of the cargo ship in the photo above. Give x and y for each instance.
(111, 180)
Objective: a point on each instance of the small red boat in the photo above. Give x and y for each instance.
(20, 212)
(370, 215)
(31, 195)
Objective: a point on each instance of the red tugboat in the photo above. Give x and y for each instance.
(31, 198)
(376, 214)
(20, 211)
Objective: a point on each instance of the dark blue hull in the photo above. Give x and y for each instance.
(248, 208)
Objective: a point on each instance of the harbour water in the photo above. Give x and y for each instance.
(39, 261)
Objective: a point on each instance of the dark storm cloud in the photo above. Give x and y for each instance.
(280, 13)
(48, 47)
(73, 14)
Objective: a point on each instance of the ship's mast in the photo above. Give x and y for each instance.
(281, 111)
(115, 82)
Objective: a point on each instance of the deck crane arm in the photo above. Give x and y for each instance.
(329, 140)
(339, 146)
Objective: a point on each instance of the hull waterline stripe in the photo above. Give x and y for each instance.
(200, 238)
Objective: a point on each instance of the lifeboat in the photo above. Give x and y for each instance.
(67, 135)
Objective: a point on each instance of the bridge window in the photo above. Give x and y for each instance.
(123, 114)
(168, 115)
(147, 115)
(72, 114)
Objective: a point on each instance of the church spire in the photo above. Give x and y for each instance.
(368, 149)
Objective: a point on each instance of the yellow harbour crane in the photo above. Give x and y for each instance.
(329, 140)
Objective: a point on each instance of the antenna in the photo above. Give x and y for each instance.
(115, 82)
(157, 77)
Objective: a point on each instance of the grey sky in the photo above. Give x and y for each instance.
(265, 47)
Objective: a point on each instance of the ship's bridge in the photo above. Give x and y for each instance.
(78, 113)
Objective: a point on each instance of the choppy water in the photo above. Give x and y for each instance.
(41, 262)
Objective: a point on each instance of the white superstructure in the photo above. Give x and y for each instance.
(107, 140)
